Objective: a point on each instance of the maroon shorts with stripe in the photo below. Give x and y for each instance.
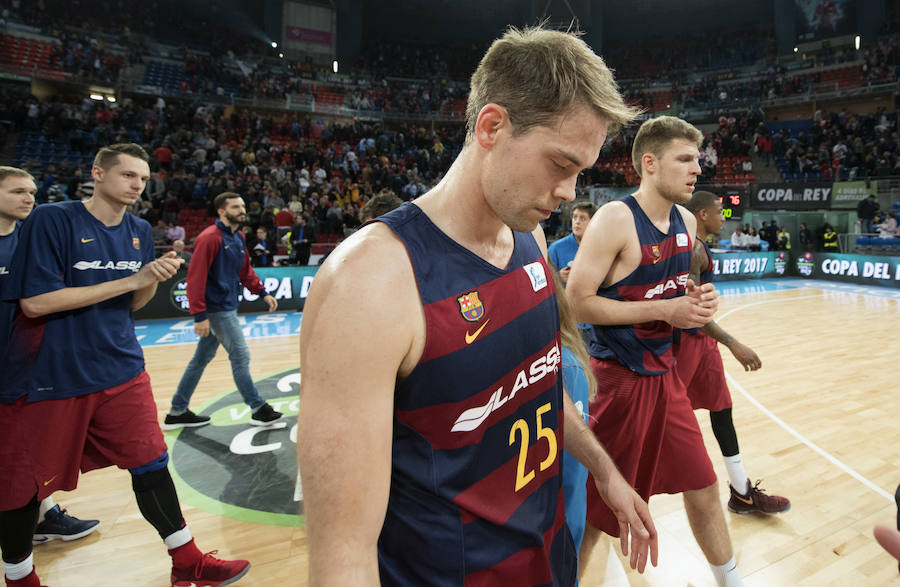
(44, 445)
(648, 427)
(699, 365)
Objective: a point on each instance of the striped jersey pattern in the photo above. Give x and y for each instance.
(476, 487)
(663, 271)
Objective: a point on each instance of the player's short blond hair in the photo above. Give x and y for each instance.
(538, 74)
(7, 171)
(655, 134)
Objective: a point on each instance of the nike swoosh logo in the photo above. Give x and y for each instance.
(470, 338)
(39, 540)
(747, 501)
(86, 240)
(46, 483)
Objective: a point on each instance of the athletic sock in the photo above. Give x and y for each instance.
(19, 570)
(727, 575)
(46, 506)
(178, 539)
(736, 474)
(186, 555)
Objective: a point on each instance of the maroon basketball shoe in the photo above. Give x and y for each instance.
(207, 571)
(30, 581)
(756, 500)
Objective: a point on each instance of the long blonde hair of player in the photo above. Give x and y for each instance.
(571, 337)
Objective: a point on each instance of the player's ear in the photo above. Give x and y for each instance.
(492, 119)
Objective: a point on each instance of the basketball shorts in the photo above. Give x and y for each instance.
(44, 445)
(648, 428)
(699, 365)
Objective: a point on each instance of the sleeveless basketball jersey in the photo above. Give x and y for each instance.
(476, 493)
(706, 276)
(662, 274)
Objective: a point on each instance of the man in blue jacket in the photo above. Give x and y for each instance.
(219, 267)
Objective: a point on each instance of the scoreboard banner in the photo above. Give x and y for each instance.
(751, 265)
(791, 196)
(288, 285)
(864, 269)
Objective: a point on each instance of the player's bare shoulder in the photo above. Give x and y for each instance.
(690, 221)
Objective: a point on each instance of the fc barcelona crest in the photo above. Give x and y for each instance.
(470, 306)
(136, 242)
(655, 250)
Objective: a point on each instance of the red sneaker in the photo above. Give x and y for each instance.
(209, 570)
(30, 581)
(756, 500)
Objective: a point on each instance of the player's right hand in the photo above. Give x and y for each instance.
(564, 274)
(695, 308)
(201, 328)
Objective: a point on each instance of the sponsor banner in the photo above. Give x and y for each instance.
(848, 194)
(288, 285)
(865, 269)
(730, 266)
(303, 35)
(791, 196)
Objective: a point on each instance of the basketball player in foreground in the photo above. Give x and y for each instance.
(630, 279)
(431, 420)
(700, 368)
(80, 397)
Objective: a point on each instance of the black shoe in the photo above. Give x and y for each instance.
(58, 524)
(265, 415)
(186, 420)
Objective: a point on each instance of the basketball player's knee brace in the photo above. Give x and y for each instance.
(16, 530)
(723, 429)
(156, 496)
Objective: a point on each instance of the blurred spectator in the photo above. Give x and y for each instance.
(178, 247)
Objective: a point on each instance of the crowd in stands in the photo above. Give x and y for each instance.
(286, 167)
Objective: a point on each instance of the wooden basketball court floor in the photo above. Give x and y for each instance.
(819, 423)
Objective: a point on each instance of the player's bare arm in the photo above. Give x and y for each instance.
(608, 253)
(631, 511)
(72, 298)
(359, 335)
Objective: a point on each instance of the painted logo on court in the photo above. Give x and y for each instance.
(238, 470)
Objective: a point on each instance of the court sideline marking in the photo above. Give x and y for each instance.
(827, 456)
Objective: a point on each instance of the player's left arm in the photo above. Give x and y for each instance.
(744, 354)
(630, 510)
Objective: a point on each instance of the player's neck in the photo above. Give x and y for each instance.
(458, 207)
(7, 225)
(655, 206)
(106, 211)
(228, 225)
(702, 233)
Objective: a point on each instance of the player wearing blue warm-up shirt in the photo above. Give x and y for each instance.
(17, 191)
(76, 395)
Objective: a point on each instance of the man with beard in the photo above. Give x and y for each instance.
(219, 267)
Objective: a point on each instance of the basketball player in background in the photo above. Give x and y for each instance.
(17, 189)
(630, 279)
(76, 395)
(700, 368)
(440, 318)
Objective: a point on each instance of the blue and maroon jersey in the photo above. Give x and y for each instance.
(81, 351)
(476, 484)
(219, 265)
(665, 265)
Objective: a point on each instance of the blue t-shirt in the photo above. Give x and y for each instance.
(562, 252)
(89, 349)
(575, 475)
(7, 309)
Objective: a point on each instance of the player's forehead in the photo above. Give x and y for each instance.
(679, 147)
(127, 163)
(18, 183)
